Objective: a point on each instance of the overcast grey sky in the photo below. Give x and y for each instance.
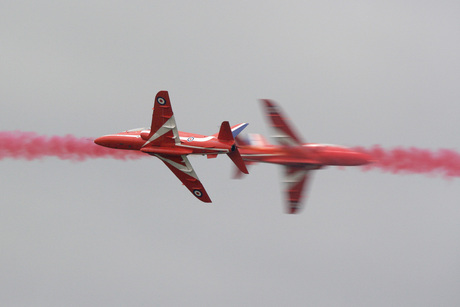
(114, 233)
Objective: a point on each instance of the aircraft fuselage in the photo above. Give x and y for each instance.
(306, 154)
(189, 143)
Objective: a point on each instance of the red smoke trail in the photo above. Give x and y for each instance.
(445, 162)
(30, 146)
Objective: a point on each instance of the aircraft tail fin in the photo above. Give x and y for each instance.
(226, 135)
(235, 130)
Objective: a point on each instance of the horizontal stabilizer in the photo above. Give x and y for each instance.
(238, 160)
(225, 135)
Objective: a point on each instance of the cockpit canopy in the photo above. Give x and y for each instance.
(323, 146)
(137, 129)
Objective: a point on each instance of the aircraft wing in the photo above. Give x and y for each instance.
(163, 130)
(296, 179)
(181, 167)
(284, 134)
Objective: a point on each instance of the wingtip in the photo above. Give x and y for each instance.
(206, 199)
(267, 102)
(293, 207)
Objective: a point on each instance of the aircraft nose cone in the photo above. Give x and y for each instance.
(103, 141)
(364, 158)
(98, 141)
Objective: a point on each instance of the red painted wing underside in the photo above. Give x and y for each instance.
(181, 167)
(296, 180)
(280, 124)
(162, 112)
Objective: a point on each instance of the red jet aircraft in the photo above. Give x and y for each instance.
(171, 146)
(297, 157)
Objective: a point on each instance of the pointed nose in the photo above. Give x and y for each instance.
(354, 158)
(346, 157)
(362, 158)
(106, 141)
(98, 141)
